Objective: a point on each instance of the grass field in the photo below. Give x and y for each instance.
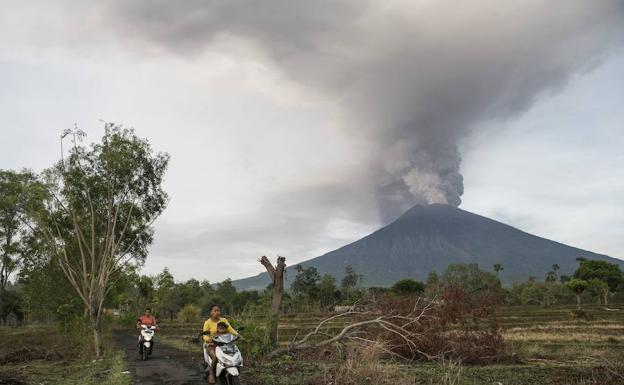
(550, 349)
(40, 354)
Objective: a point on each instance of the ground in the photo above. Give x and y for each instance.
(551, 349)
(167, 365)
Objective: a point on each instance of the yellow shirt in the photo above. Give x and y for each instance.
(211, 326)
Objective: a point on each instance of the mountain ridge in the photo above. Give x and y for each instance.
(429, 238)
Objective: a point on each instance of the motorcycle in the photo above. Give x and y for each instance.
(146, 345)
(229, 359)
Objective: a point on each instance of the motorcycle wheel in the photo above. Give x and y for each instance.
(144, 354)
(233, 380)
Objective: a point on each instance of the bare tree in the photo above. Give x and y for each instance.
(276, 273)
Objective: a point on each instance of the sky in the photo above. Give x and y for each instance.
(297, 127)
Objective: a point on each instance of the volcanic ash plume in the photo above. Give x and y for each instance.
(413, 76)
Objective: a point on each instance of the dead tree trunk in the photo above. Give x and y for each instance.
(276, 273)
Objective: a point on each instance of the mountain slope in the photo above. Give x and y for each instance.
(429, 238)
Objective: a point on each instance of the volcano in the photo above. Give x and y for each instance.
(429, 238)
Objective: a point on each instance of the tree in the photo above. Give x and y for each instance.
(349, 282)
(498, 268)
(328, 293)
(471, 278)
(227, 292)
(97, 216)
(551, 276)
(276, 273)
(555, 268)
(609, 273)
(165, 296)
(306, 282)
(408, 287)
(14, 228)
(578, 286)
(598, 288)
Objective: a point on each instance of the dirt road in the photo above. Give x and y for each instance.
(166, 365)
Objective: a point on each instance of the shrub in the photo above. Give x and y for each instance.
(408, 287)
(189, 313)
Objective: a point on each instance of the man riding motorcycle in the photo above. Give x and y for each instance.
(211, 327)
(146, 319)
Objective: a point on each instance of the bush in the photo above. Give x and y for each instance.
(256, 343)
(408, 287)
(189, 313)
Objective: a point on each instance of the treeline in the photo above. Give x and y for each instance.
(41, 293)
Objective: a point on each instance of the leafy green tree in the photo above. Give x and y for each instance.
(165, 293)
(349, 283)
(328, 293)
(498, 268)
(98, 214)
(551, 276)
(408, 287)
(433, 285)
(306, 283)
(471, 278)
(43, 286)
(609, 273)
(227, 292)
(15, 226)
(598, 288)
(577, 286)
(555, 268)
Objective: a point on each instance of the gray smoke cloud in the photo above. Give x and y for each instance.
(415, 77)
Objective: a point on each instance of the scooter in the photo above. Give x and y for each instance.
(146, 345)
(229, 359)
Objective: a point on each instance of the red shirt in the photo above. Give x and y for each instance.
(147, 320)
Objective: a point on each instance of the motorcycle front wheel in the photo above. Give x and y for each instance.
(144, 354)
(233, 380)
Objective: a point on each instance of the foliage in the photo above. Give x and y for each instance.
(256, 343)
(328, 293)
(470, 278)
(577, 285)
(538, 293)
(97, 214)
(14, 225)
(408, 287)
(189, 313)
(306, 282)
(609, 273)
(348, 285)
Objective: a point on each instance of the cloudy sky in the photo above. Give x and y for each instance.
(295, 127)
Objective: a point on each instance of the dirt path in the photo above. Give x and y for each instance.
(166, 365)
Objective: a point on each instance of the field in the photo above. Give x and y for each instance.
(549, 349)
(40, 354)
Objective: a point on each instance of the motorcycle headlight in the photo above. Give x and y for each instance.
(226, 362)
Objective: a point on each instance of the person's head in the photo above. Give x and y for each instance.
(221, 328)
(148, 311)
(215, 312)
